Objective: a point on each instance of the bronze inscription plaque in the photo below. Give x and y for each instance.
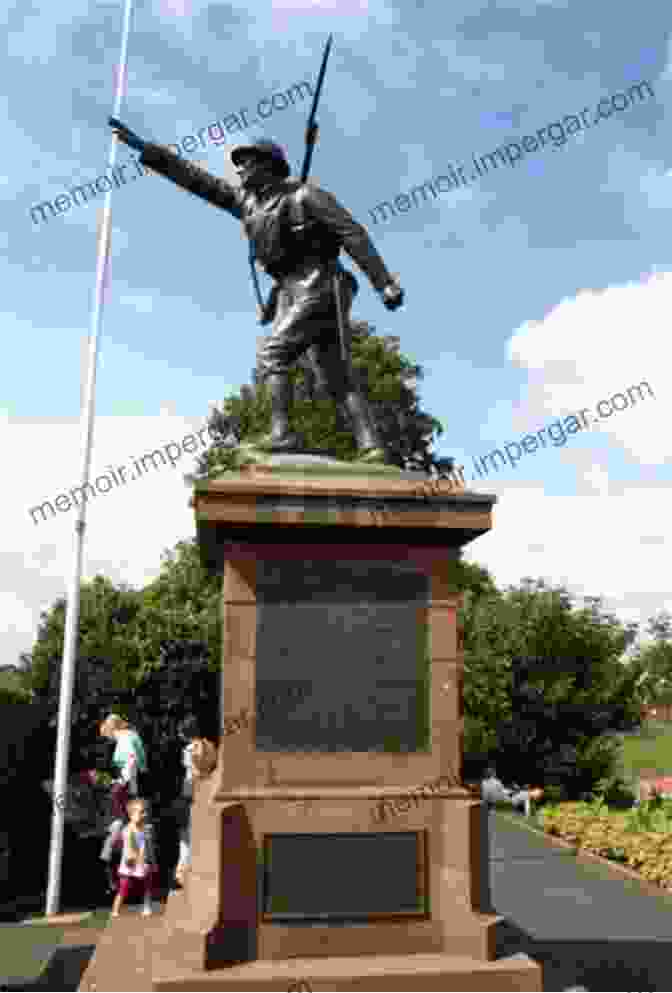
(341, 656)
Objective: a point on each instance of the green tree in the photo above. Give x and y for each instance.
(11, 693)
(487, 670)
(486, 681)
(543, 681)
(127, 641)
(659, 627)
(24, 672)
(389, 380)
(105, 652)
(151, 655)
(652, 662)
(181, 605)
(14, 684)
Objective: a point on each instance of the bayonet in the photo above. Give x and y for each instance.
(312, 129)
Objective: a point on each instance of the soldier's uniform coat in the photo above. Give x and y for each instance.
(298, 231)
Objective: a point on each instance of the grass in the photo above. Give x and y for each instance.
(93, 919)
(24, 951)
(652, 749)
(26, 948)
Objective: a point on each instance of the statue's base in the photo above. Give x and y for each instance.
(130, 956)
(252, 454)
(240, 923)
(373, 972)
(320, 463)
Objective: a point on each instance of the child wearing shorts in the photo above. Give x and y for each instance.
(136, 870)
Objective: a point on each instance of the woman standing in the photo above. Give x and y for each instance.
(128, 758)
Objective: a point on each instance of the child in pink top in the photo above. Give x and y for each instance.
(135, 871)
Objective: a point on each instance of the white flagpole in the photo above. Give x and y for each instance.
(72, 609)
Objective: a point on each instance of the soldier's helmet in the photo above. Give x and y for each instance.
(266, 149)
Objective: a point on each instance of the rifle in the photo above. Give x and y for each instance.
(312, 126)
(311, 137)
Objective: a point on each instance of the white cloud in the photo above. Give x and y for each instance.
(591, 544)
(18, 616)
(596, 345)
(610, 538)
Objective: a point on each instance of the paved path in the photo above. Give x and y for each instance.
(589, 926)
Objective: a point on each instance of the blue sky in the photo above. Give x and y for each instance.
(533, 292)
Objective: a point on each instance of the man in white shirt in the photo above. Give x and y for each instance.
(494, 791)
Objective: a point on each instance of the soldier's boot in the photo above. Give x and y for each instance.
(280, 439)
(363, 427)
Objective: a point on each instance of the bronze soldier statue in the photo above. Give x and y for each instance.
(297, 231)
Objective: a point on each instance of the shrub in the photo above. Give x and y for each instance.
(615, 791)
(654, 815)
(12, 695)
(554, 793)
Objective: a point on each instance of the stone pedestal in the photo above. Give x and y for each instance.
(335, 846)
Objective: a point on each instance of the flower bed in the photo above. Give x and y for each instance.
(640, 838)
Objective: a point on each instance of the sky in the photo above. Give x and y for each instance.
(533, 291)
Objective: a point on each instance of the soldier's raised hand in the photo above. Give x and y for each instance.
(393, 296)
(125, 134)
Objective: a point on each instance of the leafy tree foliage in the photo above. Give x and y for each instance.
(653, 661)
(125, 631)
(151, 655)
(14, 687)
(543, 682)
(386, 376)
(26, 744)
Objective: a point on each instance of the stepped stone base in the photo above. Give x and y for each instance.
(129, 959)
(122, 961)
(373, 972)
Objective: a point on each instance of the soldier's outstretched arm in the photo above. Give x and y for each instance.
(159, 158)
(354, 237)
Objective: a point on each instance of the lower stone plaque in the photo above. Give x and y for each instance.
(346, 877)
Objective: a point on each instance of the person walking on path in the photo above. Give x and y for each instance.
(130, 760)
(199, 757)
(136, 871)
